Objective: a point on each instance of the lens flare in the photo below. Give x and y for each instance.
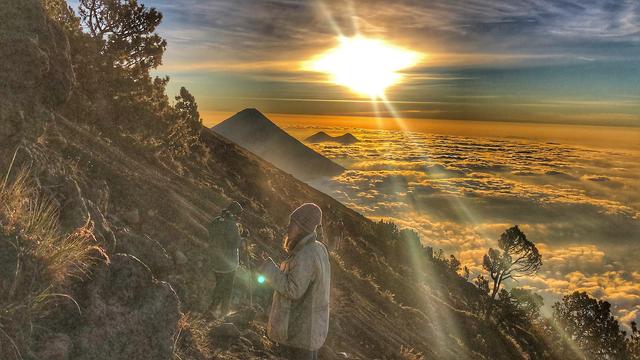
(366, 66)
(261, 279)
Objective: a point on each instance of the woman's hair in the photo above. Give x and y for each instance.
(320, 233)
(290, 244)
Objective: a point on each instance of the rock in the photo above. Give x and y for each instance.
(132, 217)
(225, 330)
(35, 70)
(180, 258)
(246, 341)
(56, 347)
(128, 314)
(241, 317)
(145, 248)
(36, 59)
(253, 336)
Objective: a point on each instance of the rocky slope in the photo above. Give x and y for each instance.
(255, 132)
(146, 293)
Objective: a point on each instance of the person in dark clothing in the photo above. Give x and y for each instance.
(226, 239)
(339, 234)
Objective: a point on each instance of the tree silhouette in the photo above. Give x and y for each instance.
(528, 302)
(125, 31)
(518, 307)
(482, 304)
(184, 133)
(634, 342)
(588, 323)
(519, 257)
(453, 264)
(62, 13)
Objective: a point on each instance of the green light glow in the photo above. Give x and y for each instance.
(261, 279)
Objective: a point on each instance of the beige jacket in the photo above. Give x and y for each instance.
(299, 314)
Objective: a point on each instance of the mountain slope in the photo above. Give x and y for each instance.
(376, 309)
(322, 136)
(252, 130)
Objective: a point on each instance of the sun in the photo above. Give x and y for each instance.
(366, 66)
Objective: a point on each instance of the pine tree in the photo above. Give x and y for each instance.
(589, 324)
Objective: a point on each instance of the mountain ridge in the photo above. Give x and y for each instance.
(252, 130)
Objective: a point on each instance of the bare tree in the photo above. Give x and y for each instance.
(516, 257)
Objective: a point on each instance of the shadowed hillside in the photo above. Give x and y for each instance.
(126, 182)
(253, 131)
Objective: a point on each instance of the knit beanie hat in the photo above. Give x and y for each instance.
(308, 216)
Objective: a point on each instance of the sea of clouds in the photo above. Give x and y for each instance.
(580, 205)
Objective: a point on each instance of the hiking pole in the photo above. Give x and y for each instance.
(247, 257)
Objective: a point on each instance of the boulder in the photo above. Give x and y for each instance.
(35, 70)
(253, 336)
(132, 217)
(35, 53)
(225, 330)
(242, 317)
(128, 314)
(146, 249)
(180, 258)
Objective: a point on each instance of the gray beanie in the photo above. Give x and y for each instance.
(308, 216)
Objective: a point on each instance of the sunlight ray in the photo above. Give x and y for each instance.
(327, 14)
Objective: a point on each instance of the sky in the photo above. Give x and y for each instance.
(558, 61)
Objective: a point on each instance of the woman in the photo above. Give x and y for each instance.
(299, 317)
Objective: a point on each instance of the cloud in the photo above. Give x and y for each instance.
(586, 232)
(272, 28)
(596, 178)
(572, 258)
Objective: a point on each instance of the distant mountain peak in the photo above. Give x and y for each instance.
(252, 112)
(322, 136)
(250, 115)
(252, 130)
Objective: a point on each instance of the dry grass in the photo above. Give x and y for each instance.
(36, 260)
(407, 353)
(367, 279)
(193, 341)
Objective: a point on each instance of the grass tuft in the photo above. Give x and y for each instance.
(37, 261)
(407, 353)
